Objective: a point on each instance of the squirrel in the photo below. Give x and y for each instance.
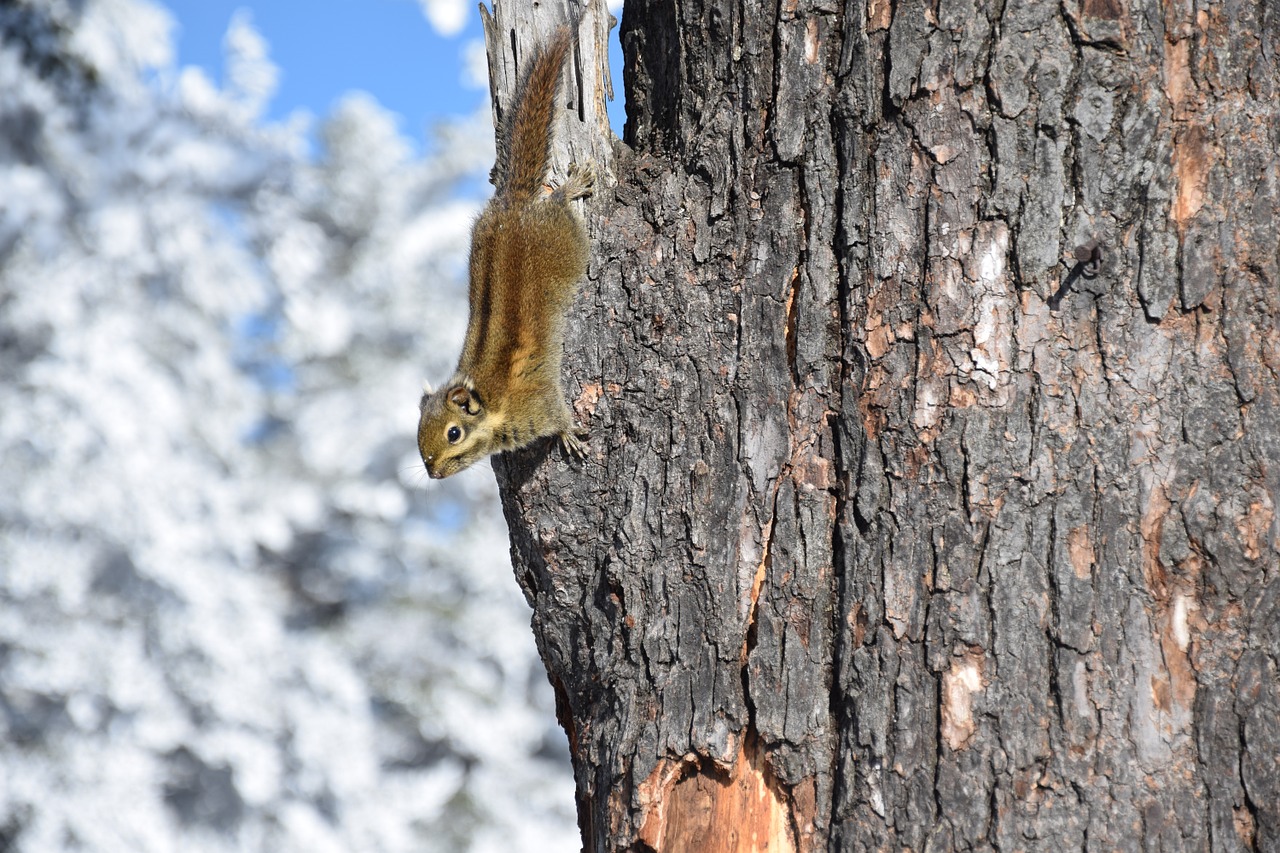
(528, 252)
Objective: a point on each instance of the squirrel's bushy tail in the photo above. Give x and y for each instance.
(524, 144)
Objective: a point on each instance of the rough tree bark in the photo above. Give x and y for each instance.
(930, 356)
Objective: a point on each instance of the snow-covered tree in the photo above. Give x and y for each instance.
(231, 616)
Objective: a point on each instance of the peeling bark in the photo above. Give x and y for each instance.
(931, 362)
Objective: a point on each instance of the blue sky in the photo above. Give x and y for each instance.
(325, 48)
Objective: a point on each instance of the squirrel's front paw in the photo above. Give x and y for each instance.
(573, 445)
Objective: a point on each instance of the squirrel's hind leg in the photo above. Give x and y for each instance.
(580, 183)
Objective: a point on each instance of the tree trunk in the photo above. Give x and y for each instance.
(931, 362)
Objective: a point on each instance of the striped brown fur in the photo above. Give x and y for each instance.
(528, 252)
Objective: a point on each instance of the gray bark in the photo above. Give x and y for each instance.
(931, 363)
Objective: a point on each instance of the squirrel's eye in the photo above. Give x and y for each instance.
(454, 435)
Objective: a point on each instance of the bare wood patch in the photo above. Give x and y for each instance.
(958, 686)
(1080, 549)
(695, 807)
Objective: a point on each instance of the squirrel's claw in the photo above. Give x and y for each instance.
(579, 183)
(573, 445)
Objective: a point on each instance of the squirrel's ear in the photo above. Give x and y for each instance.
(426, 387)
(465, 399)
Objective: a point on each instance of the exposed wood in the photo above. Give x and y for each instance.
(512, 30)
(706, 809)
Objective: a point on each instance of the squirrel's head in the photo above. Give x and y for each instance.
(451, 430)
